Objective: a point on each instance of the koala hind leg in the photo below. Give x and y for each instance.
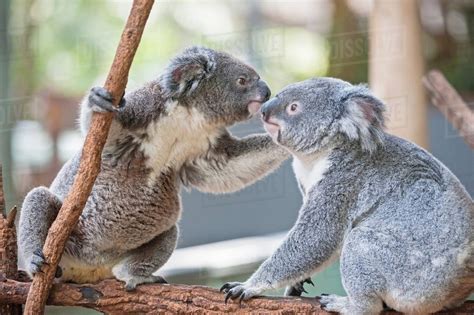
(139, 264)
(38, 212)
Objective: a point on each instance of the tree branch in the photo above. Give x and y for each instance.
(448, 101)
(90, 161)
(109, 297)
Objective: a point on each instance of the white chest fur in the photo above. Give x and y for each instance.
(309, 170)
(179, 136)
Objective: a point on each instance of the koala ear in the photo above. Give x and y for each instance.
(187, 70)
(363, 118)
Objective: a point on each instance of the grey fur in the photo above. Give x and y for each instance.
(398, 219)
(171, 131)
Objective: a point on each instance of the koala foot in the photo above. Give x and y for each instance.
(334, 303)
(132, 283)
(239, 290)
(298, 288)
(365, 305)
(100, 100)
(37, 262)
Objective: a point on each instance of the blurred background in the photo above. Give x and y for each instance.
(52, 52)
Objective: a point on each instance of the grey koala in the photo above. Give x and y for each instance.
(398, 219)
(170, 132)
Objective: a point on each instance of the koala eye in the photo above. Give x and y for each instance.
(292, 109)
(242, 81)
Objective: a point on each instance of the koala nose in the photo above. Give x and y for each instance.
(264, 90)
(267, 108)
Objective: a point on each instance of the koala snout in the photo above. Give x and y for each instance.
(268, 108)
(264, 91)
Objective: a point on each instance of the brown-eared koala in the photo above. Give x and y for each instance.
(401, 223)
(170, 132)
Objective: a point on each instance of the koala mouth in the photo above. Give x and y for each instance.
(271, 127)
(254, 107)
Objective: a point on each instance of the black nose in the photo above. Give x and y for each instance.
(268, 107)
(267, 94)
(264, 90)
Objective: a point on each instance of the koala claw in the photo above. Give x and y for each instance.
(298, 288)
(100, 100)
(37, 261)
(308, 280)
(238, 290)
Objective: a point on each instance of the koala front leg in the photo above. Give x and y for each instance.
(38, 212)
(233, 164)
(139, 265)
(311, 244)
(98, 100)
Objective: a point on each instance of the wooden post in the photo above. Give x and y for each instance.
(8, 249)
(90, 161)
(396, 67)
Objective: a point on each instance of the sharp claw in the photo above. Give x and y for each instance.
(161, 280)
(309, 281)
(39, 253)
(227, 296)
(303, 289)
(242, 296)
(224, 287)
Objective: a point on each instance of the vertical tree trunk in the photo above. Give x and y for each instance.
(396, 67)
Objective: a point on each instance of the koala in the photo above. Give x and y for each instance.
(400, 222)
(170, 133)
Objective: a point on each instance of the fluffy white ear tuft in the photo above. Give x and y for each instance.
(363, 119)
(186, 71)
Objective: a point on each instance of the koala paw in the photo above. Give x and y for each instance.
(239, 290)
(131, 284)
(36, 263)
(100, 100)
(298, 288)
(333, 303)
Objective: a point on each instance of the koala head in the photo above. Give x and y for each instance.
(224, 89)
(310, 115)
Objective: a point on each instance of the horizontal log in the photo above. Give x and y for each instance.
(109, 297)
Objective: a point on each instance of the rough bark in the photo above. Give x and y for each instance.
(8, 249)
(90, 162)
(109, 297)
(448, 101)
